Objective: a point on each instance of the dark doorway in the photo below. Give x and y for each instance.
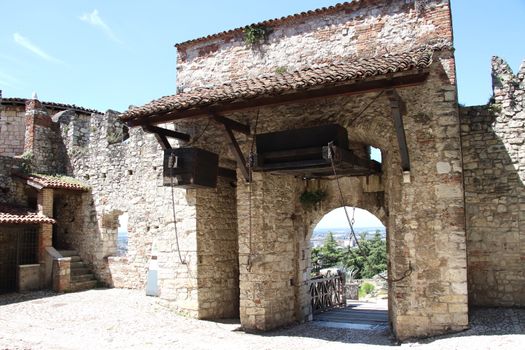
(18, 246)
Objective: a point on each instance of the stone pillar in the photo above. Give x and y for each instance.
(45, 236)
(45, 202)
(40, 138)
(61, 274)
(267, 255)
(217, 249)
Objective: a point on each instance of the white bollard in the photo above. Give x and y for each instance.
(152, 288)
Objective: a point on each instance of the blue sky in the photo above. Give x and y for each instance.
(110, 54)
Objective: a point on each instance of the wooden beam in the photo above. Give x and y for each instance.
(350, 88)
(396, 110)
(163, 141)
(166, 132)
(232, 124)
(237, 152)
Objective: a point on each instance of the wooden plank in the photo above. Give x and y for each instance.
(396, 112)
(166, 132)
(345, 162)
(292, 153)
(232, 124)
(350, 315)
(294, 97)
(342, 155)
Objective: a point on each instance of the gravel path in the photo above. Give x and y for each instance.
(125, 319)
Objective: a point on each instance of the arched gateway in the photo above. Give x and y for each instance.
(382, 74)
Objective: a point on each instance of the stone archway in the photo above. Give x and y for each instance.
(357, 192)
(422, 210)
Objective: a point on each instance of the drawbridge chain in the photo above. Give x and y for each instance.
(250, 164)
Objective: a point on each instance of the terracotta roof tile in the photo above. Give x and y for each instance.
(55, 181)
(278, 84)
(19, 215)
(53, 105)
(350, 5)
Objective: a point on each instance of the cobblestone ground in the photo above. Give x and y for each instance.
(124, 319)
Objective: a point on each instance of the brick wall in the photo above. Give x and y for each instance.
(355, 30)
(12, 130)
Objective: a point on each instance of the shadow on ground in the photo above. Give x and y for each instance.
(483, 322)
(13, 298)
(488, 322)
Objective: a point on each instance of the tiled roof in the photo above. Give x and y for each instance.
(52, 105)
(19, 215)
(279, 84)
(55, 181)
(276, 21)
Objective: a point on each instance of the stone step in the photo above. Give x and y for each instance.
(84, 277)
(75, 258)
(68, 253)
(77, 264)
(77, 286)
(75, 271)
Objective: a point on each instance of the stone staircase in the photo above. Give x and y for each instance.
(81, 276)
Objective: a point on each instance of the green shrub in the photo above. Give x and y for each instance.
(365, 289)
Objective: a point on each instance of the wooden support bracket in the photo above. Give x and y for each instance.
(163, 141)
(397, 109)
(166, 132)
(232, 124)
(237, 152)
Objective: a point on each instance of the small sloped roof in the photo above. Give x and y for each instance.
(10, 214)
(280, 84)
(54, 181)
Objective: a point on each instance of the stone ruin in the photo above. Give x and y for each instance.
(450, 191)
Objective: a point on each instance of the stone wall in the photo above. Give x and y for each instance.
(12, 191)
(349, 31)
(13, 123)
(494, 170)
(12, 130)
(43, 142)
(217, 247)
(124, 171)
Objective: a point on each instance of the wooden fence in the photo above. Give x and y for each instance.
(327, 292)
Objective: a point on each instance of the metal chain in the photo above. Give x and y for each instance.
(351, 222)
(174, 214)
(196, 138)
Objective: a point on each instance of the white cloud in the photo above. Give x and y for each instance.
(96, 21)
(27, 44)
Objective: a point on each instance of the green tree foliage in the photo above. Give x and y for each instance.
(375, 251)
(330, 255)
(327, 255)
